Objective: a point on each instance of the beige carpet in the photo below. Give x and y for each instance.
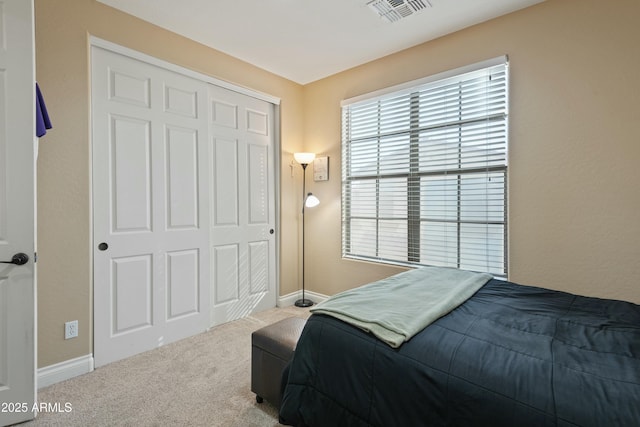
(200, 381)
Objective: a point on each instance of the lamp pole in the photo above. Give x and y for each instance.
(303, 302)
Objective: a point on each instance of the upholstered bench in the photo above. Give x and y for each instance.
(271, 350)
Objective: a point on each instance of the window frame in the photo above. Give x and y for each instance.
(414, 218)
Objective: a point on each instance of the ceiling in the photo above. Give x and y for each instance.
(306, 40)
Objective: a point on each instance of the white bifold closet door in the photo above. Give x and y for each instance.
(184, 205)
(243, 242)
(151, 206)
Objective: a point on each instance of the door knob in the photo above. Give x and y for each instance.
(17, 259)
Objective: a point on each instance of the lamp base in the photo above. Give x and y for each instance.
(304, 302)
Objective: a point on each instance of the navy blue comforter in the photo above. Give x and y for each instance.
(511, 355)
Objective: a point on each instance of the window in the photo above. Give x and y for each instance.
(424, 171)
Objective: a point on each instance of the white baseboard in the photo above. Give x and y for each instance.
(290, 299)
(65, 370)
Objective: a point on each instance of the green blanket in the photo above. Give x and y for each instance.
(398, 307)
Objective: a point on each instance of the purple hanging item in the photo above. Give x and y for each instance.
(42, 116)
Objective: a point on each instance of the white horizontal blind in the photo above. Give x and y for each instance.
(424, 173)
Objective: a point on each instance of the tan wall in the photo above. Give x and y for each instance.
(63, 28)
(574, 149)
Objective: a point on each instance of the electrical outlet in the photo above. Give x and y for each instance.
(70, 329)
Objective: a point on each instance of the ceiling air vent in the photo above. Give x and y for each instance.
(395, 10)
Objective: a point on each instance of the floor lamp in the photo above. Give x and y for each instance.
(309, 201)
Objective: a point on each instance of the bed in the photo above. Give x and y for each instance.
(509, 355)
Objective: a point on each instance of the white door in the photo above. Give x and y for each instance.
(17, 211)
(151, 207)
(243, 246)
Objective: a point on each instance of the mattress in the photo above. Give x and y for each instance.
(511, 355)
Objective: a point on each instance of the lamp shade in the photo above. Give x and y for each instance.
(304, 158)
(311, 201)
